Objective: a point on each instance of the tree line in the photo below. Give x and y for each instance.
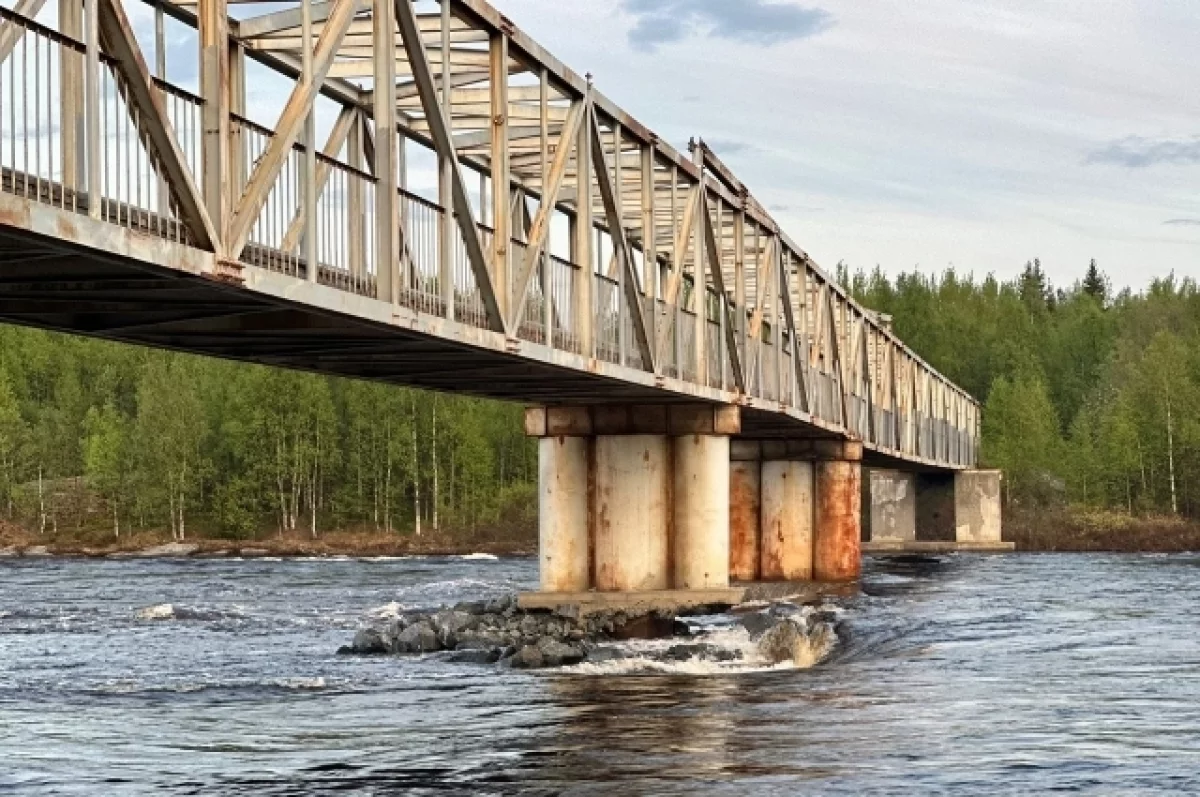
(162, 440)
(1091, 397)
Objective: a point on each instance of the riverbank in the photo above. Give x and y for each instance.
(17, 541)
(1067, 529)
(1073, 529)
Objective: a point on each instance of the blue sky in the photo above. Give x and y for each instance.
(972, 133)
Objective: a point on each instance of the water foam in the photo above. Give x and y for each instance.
(162, 611)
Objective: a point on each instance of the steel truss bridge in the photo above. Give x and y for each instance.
(427, 197)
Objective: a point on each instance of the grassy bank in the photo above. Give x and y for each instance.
(1076, 529)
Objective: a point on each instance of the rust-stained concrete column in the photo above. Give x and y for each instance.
(634, 498)
(701, 545)
(563, 556)
(837, 551)
(632, 512)
(744, 481)
(787, 521)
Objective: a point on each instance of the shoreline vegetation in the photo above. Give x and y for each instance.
(16, 541)
(1091, 407)
(1034, 530)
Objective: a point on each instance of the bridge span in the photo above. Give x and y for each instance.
(419, 193)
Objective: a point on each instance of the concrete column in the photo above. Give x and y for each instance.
(837, 551)
(632, 512)
(563, 560)
(890, 506)
(977, 506)
(787, 521)
(744, 487)
(701, 528)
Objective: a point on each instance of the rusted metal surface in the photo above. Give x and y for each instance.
(743, 520)
(563, 514)
(632, 513)
(787, 521)
(701, 519)
(837, 550)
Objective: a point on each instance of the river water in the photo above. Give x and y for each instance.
(958, 675)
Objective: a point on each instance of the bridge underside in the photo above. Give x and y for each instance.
(51, 283)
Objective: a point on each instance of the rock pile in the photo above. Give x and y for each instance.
(499, 632)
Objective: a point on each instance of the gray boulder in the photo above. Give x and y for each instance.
(475, 656)
(367, 642)
(418, 638)
(527, 657)
(558, 654)
(454, 621)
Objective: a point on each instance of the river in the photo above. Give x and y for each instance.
(960, 675)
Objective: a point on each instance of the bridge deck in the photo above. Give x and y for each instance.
(208, 220)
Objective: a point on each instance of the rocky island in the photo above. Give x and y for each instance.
(498, 632)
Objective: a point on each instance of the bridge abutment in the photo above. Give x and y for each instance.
(931, 512)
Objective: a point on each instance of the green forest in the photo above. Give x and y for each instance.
(1092, 398)
(94, 433)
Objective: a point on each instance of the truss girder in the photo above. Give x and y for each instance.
(550, 216)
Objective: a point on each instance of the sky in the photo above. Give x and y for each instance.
(973, 134)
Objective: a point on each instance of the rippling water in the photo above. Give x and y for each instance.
(964, 675)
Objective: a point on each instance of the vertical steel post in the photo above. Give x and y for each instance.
(160, 71)
(699, 282)
(544, 268)
(309, 192)
(448, 232)
(72, 132)
(387, 247)
(213, 23)
(501, 177)
(584, 232)
(92, 105)
(354, 197)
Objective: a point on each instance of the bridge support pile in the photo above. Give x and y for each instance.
(795, 510)
(634, 499)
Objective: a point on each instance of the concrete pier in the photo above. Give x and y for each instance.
(977, 506)
(837, 554)
(744, 502)
(889, 506)
(640, 500)
(634, 499)
(701, 545)
(563, 559)
(632, 513)
(787, 521)
(932, 512)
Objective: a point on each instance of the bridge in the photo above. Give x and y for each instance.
(419, 193)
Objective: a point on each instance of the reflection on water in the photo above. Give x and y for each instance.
(957, 675)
